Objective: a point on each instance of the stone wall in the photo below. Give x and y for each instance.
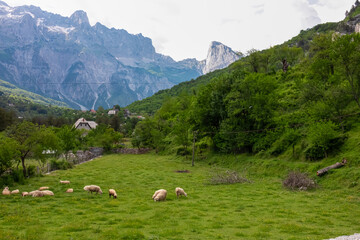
(131, 150)
(84, 156)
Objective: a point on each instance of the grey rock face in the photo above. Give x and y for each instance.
(219, 56)
(88, 66)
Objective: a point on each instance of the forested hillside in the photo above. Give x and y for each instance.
(301, 98)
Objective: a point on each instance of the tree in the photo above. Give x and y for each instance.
(115, 122)
(103, 136)
(69, 139)
(32, 140)
(181, 131)
(8, 153)
(322, 136)
(6, 118)
(254, 60)
(347, 52)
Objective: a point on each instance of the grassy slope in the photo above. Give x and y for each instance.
(23, 95)
(260, 210)
(151, 104)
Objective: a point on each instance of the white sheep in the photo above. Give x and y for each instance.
(47, 193)
(70, 190)
(159, 195)
(43, 188)
(32, 192)
(15, 191)
(112, 192)
(179, 191)
(37, 193)
(93, 188)
(65, 182)
(23, 194)
(6, 191)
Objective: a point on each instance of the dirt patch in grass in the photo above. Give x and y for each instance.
(182, 171)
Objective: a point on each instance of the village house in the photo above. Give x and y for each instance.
(113, 111)
(81, 123)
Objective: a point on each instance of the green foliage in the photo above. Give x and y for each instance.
(32, 140)
(20, 94)
(60, 164)
(322, 136)
(8, 152)
(262, 105)
(289, 138)
(104, 137)
(70, 139)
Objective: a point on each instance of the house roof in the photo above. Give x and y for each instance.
(92, 124)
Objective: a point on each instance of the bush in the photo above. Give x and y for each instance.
(59, 165)
(228, 177)
(31, 170)
(18, 176)
(181, 151)
(6, 180)
(322, 138)
(298, 181)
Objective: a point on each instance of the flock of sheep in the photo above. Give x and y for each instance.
(159, 195)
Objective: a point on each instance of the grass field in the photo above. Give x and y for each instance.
(262, 209)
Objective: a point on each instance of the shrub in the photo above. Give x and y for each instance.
(60, 164)
(18, 176)
(31, 170)
(322, 137)
(298, 181)
(227, 177)
(181, 151)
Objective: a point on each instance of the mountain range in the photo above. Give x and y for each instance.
(67, 59)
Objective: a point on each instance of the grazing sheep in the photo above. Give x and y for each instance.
(93, 188)
(15, 191)
(112, 192)
(32, 192)
(47, 193)
(179, 191)
(70, 190)
(37, 193)
(6, 191)
(65, 182)
(43, 188)
(159, 195)
(23, 194)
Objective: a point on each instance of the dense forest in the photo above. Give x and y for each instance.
(300, 98)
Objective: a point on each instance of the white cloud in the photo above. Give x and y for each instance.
(309, 16)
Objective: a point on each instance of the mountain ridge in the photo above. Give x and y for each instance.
(67, 59)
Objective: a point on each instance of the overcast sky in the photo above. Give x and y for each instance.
(184, 28)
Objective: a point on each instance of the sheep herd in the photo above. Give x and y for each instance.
(159, 195)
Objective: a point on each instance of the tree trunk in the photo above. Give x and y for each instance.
(336, 165)
(23, 165)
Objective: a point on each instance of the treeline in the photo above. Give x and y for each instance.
(25, 140)
(283, 99)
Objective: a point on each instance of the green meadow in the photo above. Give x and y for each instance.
(261, 209)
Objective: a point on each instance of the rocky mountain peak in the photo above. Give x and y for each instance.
(219, 56)
(80, 18)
